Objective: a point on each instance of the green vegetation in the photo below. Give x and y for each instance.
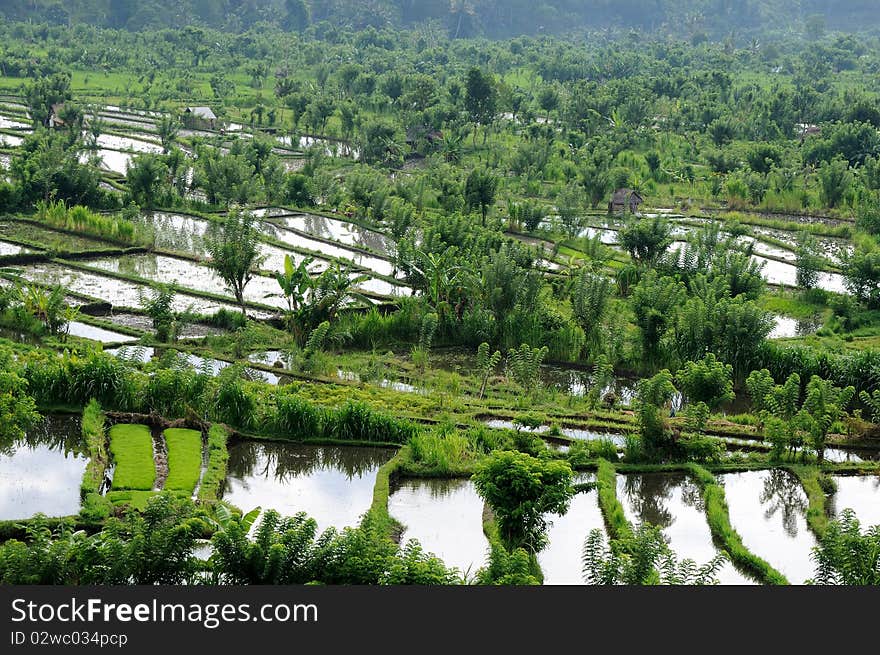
(521, 490)
(637, 236)
(846, 555)
(719, 523)
(616, 523)
(132, 450)
(215, 472)
(184, 459)
(95, 506)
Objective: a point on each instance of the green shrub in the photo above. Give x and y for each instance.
(96, 446)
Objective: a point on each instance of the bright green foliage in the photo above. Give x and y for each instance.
(95, 507)
(708, 381)
(150, 547)
(486, 364)
(442, 451)
(81, 219)
(824, 405)
(289, 551)
(480, 188)
(145, 176)
(132, 450)
(846, 555)
(331, 290)
(524, 365)
(184, 459)
(643, 559)
(861, 272)
(655, 301)
(235, 252)
(507, 568)
(759, 384)
(521, 490)
(18, 411)
(218, 456)
(159, 307)
(872, 401)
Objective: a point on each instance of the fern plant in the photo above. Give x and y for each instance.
(524, 365)
(486, 363)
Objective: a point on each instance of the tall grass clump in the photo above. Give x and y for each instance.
(81, 219)
(442, 452)
(296, 418)
(356, 421)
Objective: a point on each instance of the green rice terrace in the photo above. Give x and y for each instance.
(457, 311)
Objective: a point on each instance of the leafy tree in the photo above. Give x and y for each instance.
(159, 308)
(861, 273)
(655, 301)
(589, 301)
(481, 98)
(524, 365)
(646, 240)
(835, 179)
(569, 205)
(235, 252)
(479, 191)
(44, 92)
(809, 261)
(486, 363)
(652, 394)
(144, 176)
(18, 410)
(522, 490)
(168, 127)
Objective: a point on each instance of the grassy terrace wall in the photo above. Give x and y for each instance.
(612, 511)
(726, 537)
(94, 506)
(218, 456)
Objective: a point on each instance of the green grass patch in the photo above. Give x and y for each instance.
(184, 459)
(812, 480)
(136, 499)
(612, 511)
(718, 517)
(132, 449)
(378, 512)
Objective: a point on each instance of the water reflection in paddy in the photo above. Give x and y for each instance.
(672, 502)
(561, 560)
(42, 472)
(768, 509)
(332, 484)
(860, 493)
(445, 516)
